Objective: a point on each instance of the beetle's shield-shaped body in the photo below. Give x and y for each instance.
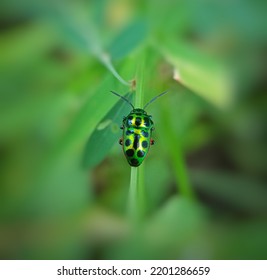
(137, 130)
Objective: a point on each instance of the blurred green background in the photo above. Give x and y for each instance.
(64, 183)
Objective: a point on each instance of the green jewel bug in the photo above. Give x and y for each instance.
(137, 132)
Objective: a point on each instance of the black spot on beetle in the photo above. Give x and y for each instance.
(129, 120)
(140, 153)
(136, 141)
(144, 133)
(138, 121)
(128, 142)
(144, 144)
(147, 121)
(129, 132)
(130, 152)
(134, 162)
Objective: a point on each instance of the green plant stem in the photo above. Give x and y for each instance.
(136, 192)
(136, 205)
(141, 191)
(139, 84)
(132, 205)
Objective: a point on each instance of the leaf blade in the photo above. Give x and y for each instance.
(105, 134)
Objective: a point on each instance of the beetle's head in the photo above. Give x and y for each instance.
(138, 111)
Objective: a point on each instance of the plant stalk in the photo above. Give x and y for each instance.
(136, 191)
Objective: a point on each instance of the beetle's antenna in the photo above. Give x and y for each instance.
(125, 99)
(154, 98)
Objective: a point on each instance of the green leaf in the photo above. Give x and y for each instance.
(203, 74)
(105, 134)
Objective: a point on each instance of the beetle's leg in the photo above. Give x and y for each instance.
(152, 141)
(120, 141)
